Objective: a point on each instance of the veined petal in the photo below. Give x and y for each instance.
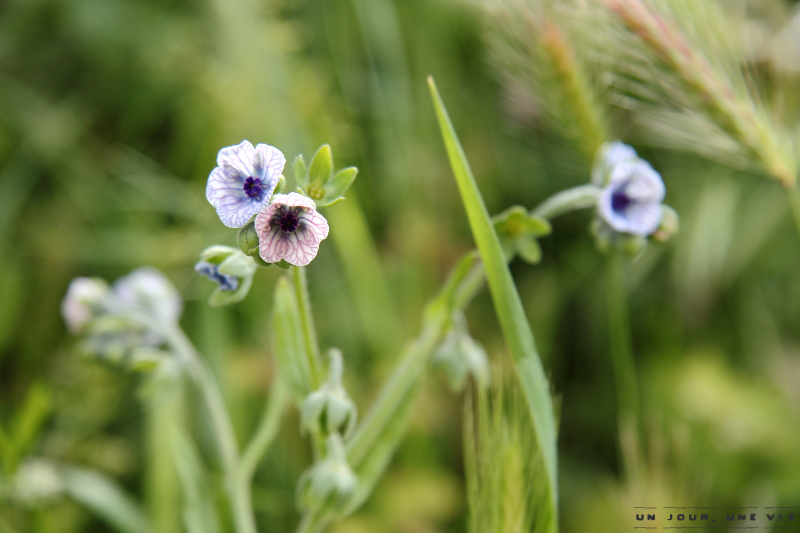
(268, 165)
(226, 183)
(238, 158)
(298, 246)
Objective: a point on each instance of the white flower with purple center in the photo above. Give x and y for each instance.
(243, 182)
(631, 200)
(290, 229)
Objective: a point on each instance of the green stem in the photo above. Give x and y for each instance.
(311, 347)
(307, 320)
(569, 200)
(406, 377)
(199, 371)
(628, 416)
(264, 435)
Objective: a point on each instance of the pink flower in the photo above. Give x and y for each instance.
(290, 228)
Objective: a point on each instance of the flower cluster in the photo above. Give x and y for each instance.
(282, 229)
(118, 322)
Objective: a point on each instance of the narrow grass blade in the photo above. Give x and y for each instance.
(104, 497)
(507, 303)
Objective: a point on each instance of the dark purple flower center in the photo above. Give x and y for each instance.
(289, 221)
(252, 188)
(620, 201)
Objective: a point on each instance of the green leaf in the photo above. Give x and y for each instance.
(300, 172)
(537, 226)
(220, 297)
(28, 421)
(106, 499)
(529, 250)
(334, 190)
(321, 166)
(199, 509)
(289, 348)
(508, 305)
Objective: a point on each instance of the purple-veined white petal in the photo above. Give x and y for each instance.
(244, 181)
(299, 242)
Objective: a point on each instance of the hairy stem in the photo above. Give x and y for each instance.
(568, 200)
(311, 347)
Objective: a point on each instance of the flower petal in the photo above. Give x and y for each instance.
(238, 158)
(298, 247)
(641, 182)
(225, 192)
(268, 163)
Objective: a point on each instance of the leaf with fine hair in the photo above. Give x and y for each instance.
(289, 349)
(508, 307)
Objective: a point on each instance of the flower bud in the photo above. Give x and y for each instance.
(460, 356)
(84, 300)
(231, 269)
(328, 483)
(670, 223)
(248, 239)
(330, 409)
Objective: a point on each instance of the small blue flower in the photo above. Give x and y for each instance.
(608, 156)
(631, 200)
(211, 271)
(244, 181)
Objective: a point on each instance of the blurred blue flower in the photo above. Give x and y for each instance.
(211, 271)
(244, 181)
(290, 229)
(608, 156)
(631, 200)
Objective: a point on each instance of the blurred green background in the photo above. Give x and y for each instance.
(111, 115)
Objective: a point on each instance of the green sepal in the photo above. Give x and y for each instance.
(300, 172)
(518, 230)
(321, 166)
(216, 254)
(238, 265)
(260, 262)
(529, 250)
(247, 239)
(284, 264)
(333, 190)
(280, 186)
(219, 297)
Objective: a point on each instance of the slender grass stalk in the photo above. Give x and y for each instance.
(508, 307)
(709, 89)
(265, 433)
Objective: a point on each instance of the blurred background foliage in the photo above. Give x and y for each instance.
(111, 115)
